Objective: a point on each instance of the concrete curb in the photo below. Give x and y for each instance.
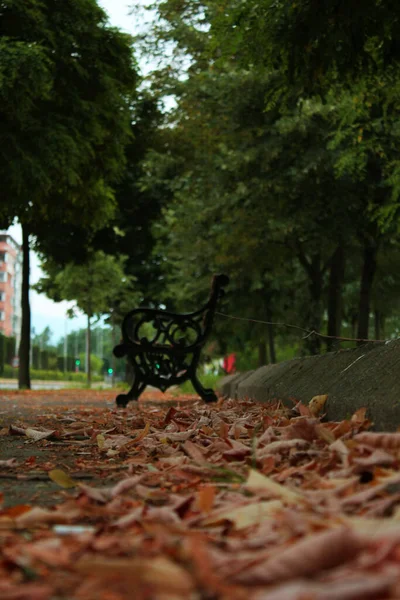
(366, 376)
(225, 386)
(228, 386)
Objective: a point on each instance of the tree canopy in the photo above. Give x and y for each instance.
(276, 161)
(67, 81)
(282, 154)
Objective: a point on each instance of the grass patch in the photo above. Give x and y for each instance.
(207, 380)
(42, 375)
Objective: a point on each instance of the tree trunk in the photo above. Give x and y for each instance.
(313, 343)
(24, 380)
(271, 338)
(367, 278)
(335, 304)
(313, 314)
(262, 354)
(354, 321)
(382, 326)
(88, 352)
(379, 322)
(113, 357)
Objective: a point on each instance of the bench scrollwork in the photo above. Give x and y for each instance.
(164, 347)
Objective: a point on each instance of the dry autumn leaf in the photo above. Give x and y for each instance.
(245, 516)
(316, 515)
(314, 553)
(257, 482)
(205, 498)
(62, 479)
(101, 441)
(388, 441)
(159, 573)
(317, 404)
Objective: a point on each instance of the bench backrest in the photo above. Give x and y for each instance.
(152, 330)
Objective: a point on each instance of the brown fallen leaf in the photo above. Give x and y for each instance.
(358, 586)
(31, 591)
(159, 573)
(325, 434)
(50, 551)
(40, 516)
(245, 516)
(257, 482)
(101, 495)
(387, 441)
(310, 555)
(378, 457)
(205, 498)
(194, 452)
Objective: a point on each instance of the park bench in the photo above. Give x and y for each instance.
(164, 347)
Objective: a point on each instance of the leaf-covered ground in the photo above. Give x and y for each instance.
(180, 500)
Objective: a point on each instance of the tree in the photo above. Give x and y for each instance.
(95, 286)
(286, 121)
(243, 172)
(137, 208)
(346, 54)
(66, 85)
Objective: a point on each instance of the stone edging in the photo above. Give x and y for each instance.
(365, 376)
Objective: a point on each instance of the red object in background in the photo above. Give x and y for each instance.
(229, 364)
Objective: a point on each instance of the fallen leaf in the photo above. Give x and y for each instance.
(159, 573)
(317, 403)
(256, 482)
(306, 557)
(31, 591)
(194, 452)
(36, 435)
(388, 441)
(62, 479)
(245, 516)
(101, 441)
(15, 430)
(206, 497)
(39, 516)
(8, 464)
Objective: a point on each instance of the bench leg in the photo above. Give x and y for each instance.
(133, 394)
(207, 394)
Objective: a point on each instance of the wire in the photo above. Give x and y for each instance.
(309, 332)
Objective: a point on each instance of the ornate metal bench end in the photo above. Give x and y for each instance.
(164, 347)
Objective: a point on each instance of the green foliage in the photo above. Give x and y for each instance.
(10, 349)
(96, 286)
(209, 381)
(66, 80)
(282, 148)
(43, 375)
(96, 363)
(62, 146)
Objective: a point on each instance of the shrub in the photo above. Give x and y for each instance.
(208, 381)
(11, 373)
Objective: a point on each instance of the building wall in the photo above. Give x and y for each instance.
(10, 286)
